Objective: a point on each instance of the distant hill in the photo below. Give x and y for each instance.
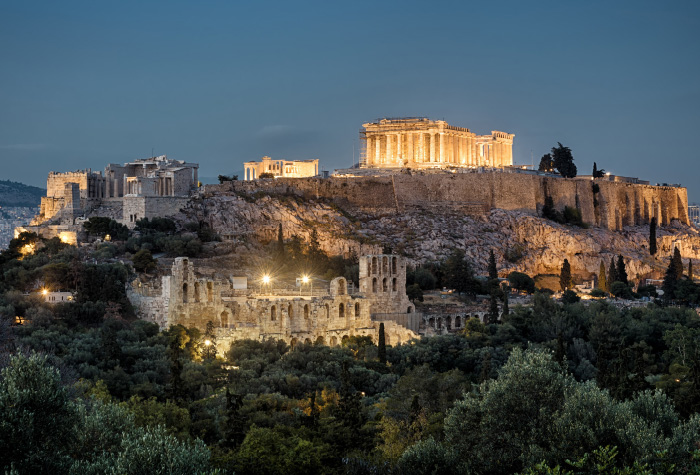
(19, 194)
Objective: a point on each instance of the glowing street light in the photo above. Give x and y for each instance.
(305, 280)
(44, 292)
(266, 279)
(207, 342)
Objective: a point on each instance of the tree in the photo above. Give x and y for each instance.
(505, 311)
(564, 161)
(414, 292)
(652, 236)
(209, 352)
(224, 178)
(565, 279)
(674, 273)
(522, 282)
(266, 175)
(381, 344)
(493, 270)
(493, 308)
(143, 261)
(36, 417)
(612, 274)
(602, 280)
(597, 173)
(458, 273)
(546, 163)
(621, 271)
(569, 297)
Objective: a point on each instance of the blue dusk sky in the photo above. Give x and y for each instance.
(83, 84)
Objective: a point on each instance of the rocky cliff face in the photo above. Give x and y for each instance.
(520, 240)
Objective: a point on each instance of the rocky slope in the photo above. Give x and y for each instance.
(520, 241)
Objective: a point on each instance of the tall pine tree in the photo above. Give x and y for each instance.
(652, 236)
(612, 273)
(602, 280)
(381, 344)
(621, 270)
(674, 273)
(565, 280)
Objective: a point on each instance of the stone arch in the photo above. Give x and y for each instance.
(307, 341)
(224, 319)
(438, 322)
(458, 321)
(357, 309)
(210, 292)
(374, 285)
(374, 265)
(334, 341)
(320, 340)
(196, 291)
(341, 310)
(448, 323)
(273, 313)
(409, 310)
(306, 311)
(393, 284)
(385, 286)
(344, 340)
(431, 322)
(393, 265)
(184, 293)
(293, 343)
(290, 312)
(342, 286)
(385, 265)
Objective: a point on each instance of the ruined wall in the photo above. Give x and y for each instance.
(192, 299)
(614, 205)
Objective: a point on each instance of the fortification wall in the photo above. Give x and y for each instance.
(614, 205)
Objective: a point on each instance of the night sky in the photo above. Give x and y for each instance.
(83, 84)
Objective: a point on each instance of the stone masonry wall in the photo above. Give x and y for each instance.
(615, 204)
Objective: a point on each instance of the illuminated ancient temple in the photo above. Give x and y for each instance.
(418, 142)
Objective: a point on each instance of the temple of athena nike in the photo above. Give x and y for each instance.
(418, 142)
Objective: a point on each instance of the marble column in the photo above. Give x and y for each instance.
(389, 158)
(441, 157)
(411, 153)
(377, 149)
(432, 147)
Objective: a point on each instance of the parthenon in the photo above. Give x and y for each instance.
(419, 142)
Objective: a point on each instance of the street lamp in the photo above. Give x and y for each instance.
(266, 280)
(207, 342)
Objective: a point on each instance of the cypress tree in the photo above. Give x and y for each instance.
(674, 272)
(595, 170)
(505, 311)
(493, 270)
(621, 270)
(652, 236)
(381, 344)
(493, 310)
(612, 273)
(565, 280)
(602, 280)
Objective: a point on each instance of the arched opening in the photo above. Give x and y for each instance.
(224, 319)
(341, 310)
(385, 265)
(374, 265)
(409, 310)
(293, 343)
(342, 287)
(357, 309)
(320, 340)
(328, 311)
(334, 341)
(196, 291)
(393, 265)
(184, 292)
(345, 340)
(306, 311)
(431, 323)
(290, 312)
(458, 322)
(393, 284)
(273, 313)
(210, 292)
(374, 285)
(307, 341)
(385, 287)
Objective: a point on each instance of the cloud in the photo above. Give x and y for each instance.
(26, 147)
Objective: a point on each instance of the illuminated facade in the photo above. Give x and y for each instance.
(281, 168)
(418, 142)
